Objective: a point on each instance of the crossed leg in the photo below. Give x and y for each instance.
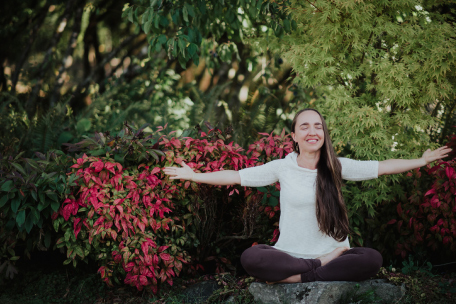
(267, 263)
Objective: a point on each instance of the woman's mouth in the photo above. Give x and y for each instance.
(312, 141)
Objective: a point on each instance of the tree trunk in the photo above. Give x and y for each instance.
(30, 106)
(77, 95)
(33, 34)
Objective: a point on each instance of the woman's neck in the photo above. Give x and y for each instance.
(308, 160)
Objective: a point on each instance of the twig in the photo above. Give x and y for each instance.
(365, 48)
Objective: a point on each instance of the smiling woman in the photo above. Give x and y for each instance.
(313, 243)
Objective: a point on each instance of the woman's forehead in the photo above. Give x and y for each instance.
(310, 117)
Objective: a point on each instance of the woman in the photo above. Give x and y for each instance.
(313, 243)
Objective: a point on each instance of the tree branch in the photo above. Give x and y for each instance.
(69, 51)
(365, 48)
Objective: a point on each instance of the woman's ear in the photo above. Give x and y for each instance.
(293, 136)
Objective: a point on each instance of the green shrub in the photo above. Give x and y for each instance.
(31, 190)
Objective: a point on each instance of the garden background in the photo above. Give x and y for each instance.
(97, 95)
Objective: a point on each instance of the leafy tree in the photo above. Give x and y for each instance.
(383, 71)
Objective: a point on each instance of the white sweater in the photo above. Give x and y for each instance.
(299, 232)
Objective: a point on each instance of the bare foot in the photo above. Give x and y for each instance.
(293, 279)
(325, 259)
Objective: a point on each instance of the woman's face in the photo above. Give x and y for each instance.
(308, 132)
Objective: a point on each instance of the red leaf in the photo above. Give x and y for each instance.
(77, 227)
(143, 280)
(391, 222)
(449, 172)
(155, 170)
(98, 166)
(432, 191)
(113, 234)
(399, 209)
(165, 256)
(129, 266)
(162, 248)
(110, 167)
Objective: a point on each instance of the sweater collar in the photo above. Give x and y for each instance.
(293, 159)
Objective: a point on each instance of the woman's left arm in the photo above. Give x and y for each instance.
(394, 166)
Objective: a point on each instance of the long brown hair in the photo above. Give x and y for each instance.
(331, 211)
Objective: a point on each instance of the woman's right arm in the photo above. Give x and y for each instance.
(226, 177)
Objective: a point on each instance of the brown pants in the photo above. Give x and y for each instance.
(269, 264)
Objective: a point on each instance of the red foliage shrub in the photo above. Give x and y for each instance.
(107, 216)
(139, 225)
(427, 217)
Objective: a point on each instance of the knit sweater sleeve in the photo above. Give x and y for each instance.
(356, 170)
(259, 176)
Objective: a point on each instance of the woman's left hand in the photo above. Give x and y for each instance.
(430, 156)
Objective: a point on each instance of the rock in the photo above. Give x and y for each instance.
(326, 292)
(199, 292)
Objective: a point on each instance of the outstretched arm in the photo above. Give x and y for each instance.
(226, 177)
(394, 166)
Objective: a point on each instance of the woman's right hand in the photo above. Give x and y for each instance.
(185, 172)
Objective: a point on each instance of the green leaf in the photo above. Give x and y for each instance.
(98, 152)
(273, 201)
(79, 252)
(67, 261)
(7, 186)
(294, 25)
(157, 22)
(42, 197)
(286, 25)
(3, 200)
(15, 204)
(35, 197)
(64, 137)
(52, 195)
(162, 39)
(28, 222)
(185, 12)
(67, 235)
(47, 239)
(56, 225)
(196, 59)
(55, 206)
(19, 168)
(20, 219)
(84, 125)
(130, 14)
(164, 22)
(145, 16)
(147, 26)
(192, 48)
(181, 44)
(36, 214)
